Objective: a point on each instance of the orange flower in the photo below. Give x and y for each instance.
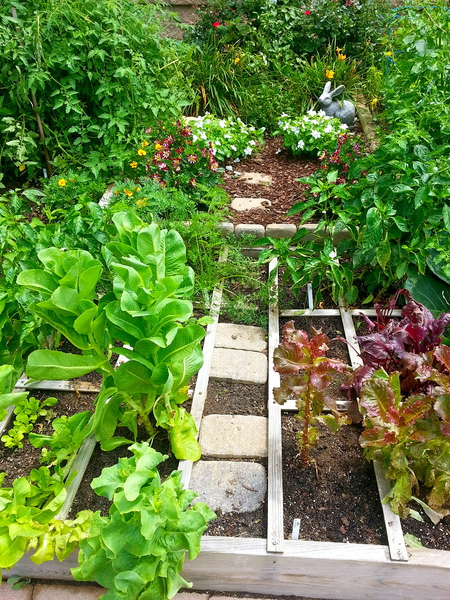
(62, 182)
(128, 193)
(133, 164)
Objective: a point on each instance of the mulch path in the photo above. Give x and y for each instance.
(283, 192)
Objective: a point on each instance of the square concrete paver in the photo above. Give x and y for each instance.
(241, 337)
(191, 596)
(229, 486)
(66, 592)
(23, 593)
(242, 366)
(234, 436)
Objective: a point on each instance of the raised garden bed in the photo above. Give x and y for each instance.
(276, 565)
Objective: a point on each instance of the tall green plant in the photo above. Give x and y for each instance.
(92, 72)
(147, 311)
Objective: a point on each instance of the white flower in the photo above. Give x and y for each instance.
(328, 128)
(229, 168)
(233, 147)
(236, 160)
(301, 144)
(227, 136)
(252, 143)
(194, 137)
(278, 151)
(343, 126)
(321, 113)
(222, 123)
(312, 113)
(248, 151)
(217, 143)
(203, 135)
(296, 130)
(316, 134)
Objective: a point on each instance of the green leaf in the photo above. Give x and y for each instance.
(51, 364)
(373, 230)
(133, 378)
(38, 280)
(183, 437)
(431, 292)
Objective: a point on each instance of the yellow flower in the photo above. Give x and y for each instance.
(329, 74)
(141, 152)
(388, 53)
(116, 192)
(128, 193)
(138, 189)
(236, 60)
(158, 147)
(22, 167)
(341, 57)
(133, 164)
(338, 50)
(141, 202)
(62, 182)
(144, 143)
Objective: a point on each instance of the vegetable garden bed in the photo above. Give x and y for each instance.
(275, 565)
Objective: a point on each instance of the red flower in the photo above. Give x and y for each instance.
(307, 13)
(216, 24)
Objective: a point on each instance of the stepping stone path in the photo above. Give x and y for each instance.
(242, 204)
(240, 355)
(256, 178)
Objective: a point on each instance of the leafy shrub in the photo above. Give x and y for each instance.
(231, 138)
(72, 187)
(92, 73)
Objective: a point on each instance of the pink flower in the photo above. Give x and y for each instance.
(193, 182)
(307, 13)
(216, 24)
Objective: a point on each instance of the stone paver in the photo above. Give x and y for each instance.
(225, 228)
(241, 337)
(242, 204)
(229, 486)
(257, 231)
(256, 178)
(66, 592)
(233, 436)
(242, 366)
(23, 593)
(280, 230)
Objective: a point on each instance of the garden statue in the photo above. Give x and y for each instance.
(344, 111)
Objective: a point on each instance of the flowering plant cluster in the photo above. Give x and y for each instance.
(346, 151)
(231, 138)
(172, 157)
(73, 187)
(312, 133)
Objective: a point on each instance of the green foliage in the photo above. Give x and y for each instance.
(28, 523)
(92, 72)
(147, 310)
(72, 188)
(27, 411)
(307, 373)
(138, 550)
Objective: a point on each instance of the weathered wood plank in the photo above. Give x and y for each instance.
(314, 569)
(5, 423)
(332, 312)
(201, 386)
(275, 534)
(57, 386)
(392, 522)
(79, 467)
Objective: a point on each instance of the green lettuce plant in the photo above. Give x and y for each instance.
(27, 519)
(147, 311)
(306, 373)
(138, 550)
(27, 411)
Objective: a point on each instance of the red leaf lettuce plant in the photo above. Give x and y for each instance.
(308, 372)
(404, 396)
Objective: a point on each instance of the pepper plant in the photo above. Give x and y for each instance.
(146, 311)
(307, 373)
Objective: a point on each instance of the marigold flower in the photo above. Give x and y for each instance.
(133, 164)
(236, 60)
(341, 57)
(141, 152)
(144, 143)
(338, 50)
(62, 182)
(128, 193)
(329, 74)
(141, 202)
